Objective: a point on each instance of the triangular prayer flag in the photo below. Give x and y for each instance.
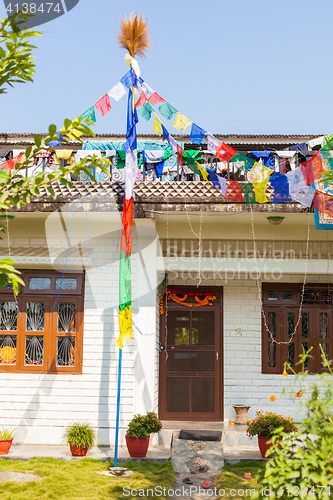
(141, 101)
(155, 98)
(234, 191)
(225, 152)
(197, 134)
(260, 191)
(249, 194)
(117, 91)
(158, 126)
(89, 115)
(181, 122)
(146, 111)
(167, 110)
(103, 105)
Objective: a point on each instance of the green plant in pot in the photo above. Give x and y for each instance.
(138, 433)
(265, 425)
(80, 436)
(6, 439)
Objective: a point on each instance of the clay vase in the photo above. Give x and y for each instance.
(137, 447)
(78, 451)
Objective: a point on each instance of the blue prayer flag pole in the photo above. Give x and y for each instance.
(118, 410)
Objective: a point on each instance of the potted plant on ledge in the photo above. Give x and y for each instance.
(138, 433)
(6, 439)
(264, 426)
(80, 437)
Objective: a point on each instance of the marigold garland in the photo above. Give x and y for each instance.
(208, 299)
(161, 305)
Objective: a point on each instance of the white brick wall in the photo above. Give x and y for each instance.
(242, 378)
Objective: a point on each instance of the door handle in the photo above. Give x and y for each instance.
(217, 355)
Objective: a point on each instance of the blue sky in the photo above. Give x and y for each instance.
(232, 66)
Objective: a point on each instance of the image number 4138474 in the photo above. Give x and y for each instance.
(38, 11)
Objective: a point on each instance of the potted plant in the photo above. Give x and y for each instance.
(138, 432)
(80, 437)
(264, 426)
(6, 439)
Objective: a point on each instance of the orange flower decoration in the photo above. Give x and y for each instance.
(231, 423)
(284, 373)
(298, 394)
(272, 397)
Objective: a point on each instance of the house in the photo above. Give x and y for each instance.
(205, 340)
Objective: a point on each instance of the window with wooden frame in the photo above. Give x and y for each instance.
(41, 329)
(298, 327)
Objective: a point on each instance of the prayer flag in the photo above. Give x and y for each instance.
(130, 79)
(234, 191)
(225, 152)
(212, 143)
(312, 169)
(146, 111)
(103, 105)
(132, 120)
(296, 180)
(249, 194)
(305, 196)
(260, 191)
(89, 115)
(167, 110)
(117, 91)
(158, 125)
(181, 122)
(259, 173)
(242, 162)
(180, 153)
(197, 134)
(155, 98)
(147, 90)
(203, 172)
(165, 133)
(214, 179)
(281, 188)
(10, 164)
(141, 101)
(323, 203)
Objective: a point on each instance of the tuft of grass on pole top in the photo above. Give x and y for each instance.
(134, 35)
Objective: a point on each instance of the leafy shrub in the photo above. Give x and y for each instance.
(264, 424)
(7, 433)
(141, 426)
(80, 434)
(304, 463)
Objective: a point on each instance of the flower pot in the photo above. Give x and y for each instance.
(137, 447)
(264, 446)
(241, 412)
(5, 445)
(78, 451)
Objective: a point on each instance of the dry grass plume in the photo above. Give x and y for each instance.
(134, 35)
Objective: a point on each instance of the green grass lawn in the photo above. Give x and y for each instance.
(232, 477)
(78, 479)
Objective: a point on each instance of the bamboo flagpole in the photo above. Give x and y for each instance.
(133, 36)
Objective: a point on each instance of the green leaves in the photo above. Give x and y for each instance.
(17, 64)
(141, 426)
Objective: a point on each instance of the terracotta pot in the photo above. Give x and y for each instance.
(78, 451)
(241, 412)
(264, 446)
(5, 445)
(137, 447)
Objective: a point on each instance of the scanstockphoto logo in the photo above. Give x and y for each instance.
(38, 11)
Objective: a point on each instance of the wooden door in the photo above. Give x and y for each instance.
(191, 362)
